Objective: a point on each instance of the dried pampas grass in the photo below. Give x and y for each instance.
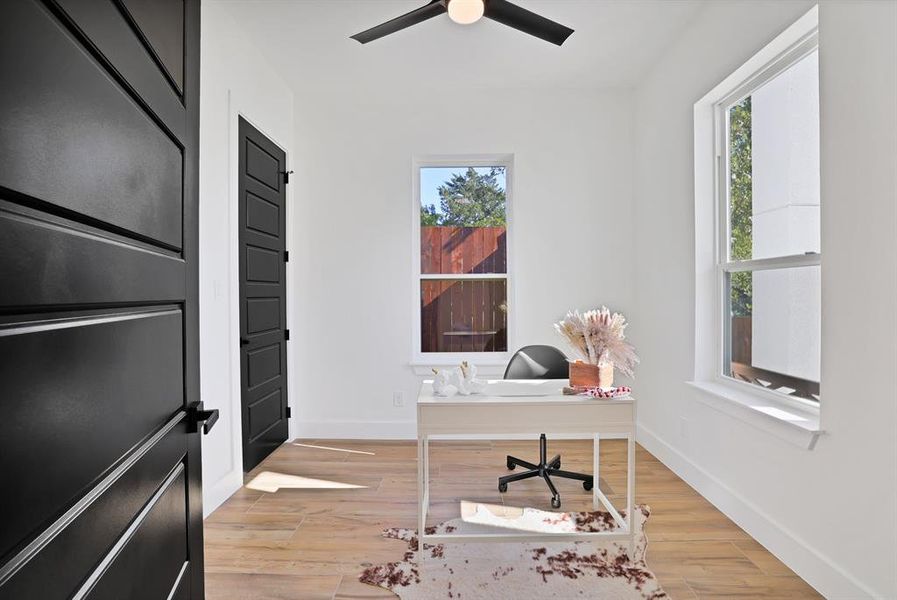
(597, 337)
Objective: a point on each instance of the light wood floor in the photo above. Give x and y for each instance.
(308, 544)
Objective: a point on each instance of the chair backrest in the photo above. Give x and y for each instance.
(537, 362)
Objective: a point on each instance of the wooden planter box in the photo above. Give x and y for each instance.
(586, 375)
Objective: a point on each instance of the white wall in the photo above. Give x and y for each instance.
(828, 513)
(571, 226)
(235, 80)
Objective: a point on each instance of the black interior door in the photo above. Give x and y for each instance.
(263, 332)
(99, 371)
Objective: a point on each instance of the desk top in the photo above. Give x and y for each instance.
(516, 391)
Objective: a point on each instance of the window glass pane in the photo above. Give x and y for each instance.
(774, 329)
(774, 166)
(467, 315)
(463, 219)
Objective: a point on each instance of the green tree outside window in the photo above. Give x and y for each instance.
(468, 200)
(740, 204)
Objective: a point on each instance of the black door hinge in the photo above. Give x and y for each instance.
(286, 334)
(289, 413)
(286, 256)
(286, 176)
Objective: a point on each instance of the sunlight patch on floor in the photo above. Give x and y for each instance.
(334, 449)
(517, 518)
(269, 481)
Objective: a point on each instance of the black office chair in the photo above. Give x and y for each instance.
(540, 362)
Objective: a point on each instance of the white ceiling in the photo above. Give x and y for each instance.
(615, 42)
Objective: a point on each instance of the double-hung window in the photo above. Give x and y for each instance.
(769, 257)
(461, 284)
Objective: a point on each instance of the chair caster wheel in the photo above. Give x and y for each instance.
(511, 465)
(502, 487)
(555, 502)
(587, 485)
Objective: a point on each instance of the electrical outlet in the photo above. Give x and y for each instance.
(398, 399)
(683, 428)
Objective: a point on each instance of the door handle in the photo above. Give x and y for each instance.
(244, 341)
(198, 415)
(208, 418)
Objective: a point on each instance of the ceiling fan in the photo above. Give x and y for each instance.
(466, 12)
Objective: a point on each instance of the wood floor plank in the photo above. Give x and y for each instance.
(231, 526)
(237, 586)
(309, 543)
(352, 589)
(763, 586)
(760, 556)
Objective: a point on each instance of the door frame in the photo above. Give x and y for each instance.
(220, 490)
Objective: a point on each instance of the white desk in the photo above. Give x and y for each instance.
(526, 407)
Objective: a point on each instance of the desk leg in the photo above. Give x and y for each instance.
(596, 471)
(422, 485)
(630, 493)
(426, 481)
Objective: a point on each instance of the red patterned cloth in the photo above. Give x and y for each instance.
(596, 392)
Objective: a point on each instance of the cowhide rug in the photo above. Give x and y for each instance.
(521, 570)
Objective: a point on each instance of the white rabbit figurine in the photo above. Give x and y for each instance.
(442, 385)
(467, 374)
(456, 378)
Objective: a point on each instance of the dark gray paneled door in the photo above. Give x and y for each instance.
(263, 332)
(99, 373)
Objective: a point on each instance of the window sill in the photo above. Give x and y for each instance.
(799, 427)
(486, 366)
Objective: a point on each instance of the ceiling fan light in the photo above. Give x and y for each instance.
(465, 12)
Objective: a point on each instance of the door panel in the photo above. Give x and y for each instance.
(161, 22)
(150, 562)
(262, 315)
(264, 365)
(111, 33)
(263, 264)
(262, 194)
(98, 300)
(86, 266)
(75, 139)
(261, 215)
(263, 413)
(136, 369)
(83, 544)
(262, 166)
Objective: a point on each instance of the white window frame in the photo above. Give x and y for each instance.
(423, 362)
(724, 263)
(787, 417)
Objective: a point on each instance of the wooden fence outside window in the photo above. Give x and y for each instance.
(461, 314)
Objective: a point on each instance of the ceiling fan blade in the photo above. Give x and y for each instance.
(523, 20)
(433, 9)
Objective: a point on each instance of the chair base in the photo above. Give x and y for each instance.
(546, 469)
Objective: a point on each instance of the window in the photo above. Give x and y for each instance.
(769, 250)
(462, 277)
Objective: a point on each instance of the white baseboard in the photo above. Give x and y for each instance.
(825, 575)
(398, 430)
(215, 494)
(356, 430)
